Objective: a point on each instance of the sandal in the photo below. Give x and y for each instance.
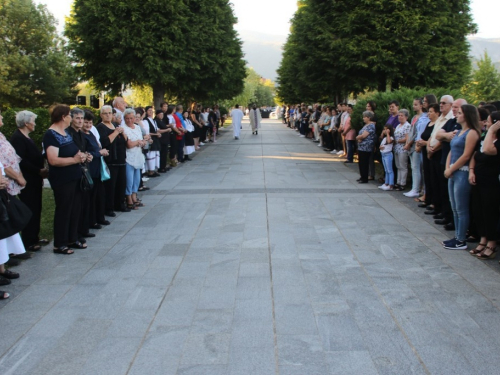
(419, 200)
(477, 250)
(63, 250)
(8, 274)
(138, 204)
(493, 254)
(43, 241)
(132, 206)
(4, 295)
(34, 248)
(4, 281)
(77, 245)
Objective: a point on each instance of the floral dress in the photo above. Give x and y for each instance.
(9, 158)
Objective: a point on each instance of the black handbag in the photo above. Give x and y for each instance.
(86, 183)
(17, 213)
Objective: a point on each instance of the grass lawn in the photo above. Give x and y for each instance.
(47, 221)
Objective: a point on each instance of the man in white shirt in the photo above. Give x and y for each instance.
(236, 116)
(119, 105)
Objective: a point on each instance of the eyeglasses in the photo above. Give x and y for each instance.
(105, 113)
(443, 103)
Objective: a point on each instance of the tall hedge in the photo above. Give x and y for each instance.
(42, 122)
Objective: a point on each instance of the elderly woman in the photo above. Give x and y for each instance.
(153, 156)
(94, 215)
(400, 153)
(113, 140)
(33, 169)
(65, 174)
(9, 166)
(366, 144)
(134, 159)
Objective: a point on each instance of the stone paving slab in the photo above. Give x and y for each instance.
(260, 256)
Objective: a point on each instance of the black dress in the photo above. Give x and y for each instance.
(115, 186)
(31, 164)
(426, 134)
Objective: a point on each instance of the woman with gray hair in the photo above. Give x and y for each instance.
(33, 169)
(366, 145)
(400, 153)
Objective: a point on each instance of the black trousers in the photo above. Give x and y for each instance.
(485, 209)
(97, 203)
(115, 188)
(173, 146)
(83, 225)
(445, 196)
(31, 195)
(435, 181)
(364, 158)
(426, 164)
(163, 155)
(180, 149)
(203, 133)
(68, 200)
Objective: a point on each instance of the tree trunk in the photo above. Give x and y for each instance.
(158, 94)
(388, 85)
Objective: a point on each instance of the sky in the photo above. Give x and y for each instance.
(272, 16)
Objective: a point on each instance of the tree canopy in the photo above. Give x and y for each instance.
(34, 68)
(485, 82)
(182, 48)
(341, 47)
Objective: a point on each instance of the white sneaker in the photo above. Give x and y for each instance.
(382, 186)
(340, 153)
(144, 179)
(386, 188)
(319, 145)
(412, 194)
(334, 151)
(202, 144)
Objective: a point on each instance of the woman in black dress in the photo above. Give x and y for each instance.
(113, 140)
(34, 171)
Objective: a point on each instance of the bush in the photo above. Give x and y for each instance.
(42, 122)
(405, 98)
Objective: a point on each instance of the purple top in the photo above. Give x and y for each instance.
(393, 120)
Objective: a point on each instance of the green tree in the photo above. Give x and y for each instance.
(485, 82)
(181, 48)
(34, 67)
(350, 46)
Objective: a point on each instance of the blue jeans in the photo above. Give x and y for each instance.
(133, 180)
(459, 190)
(389, 172)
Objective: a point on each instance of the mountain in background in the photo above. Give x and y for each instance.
(263, 51)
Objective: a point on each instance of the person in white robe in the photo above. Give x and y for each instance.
(255, 119)
(236, 116)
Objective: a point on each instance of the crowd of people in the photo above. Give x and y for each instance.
(95, 168)
(450, 146)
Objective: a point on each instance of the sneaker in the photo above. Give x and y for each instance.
(382, 186)
(144, 179)
(386, 187)
(450, 241)
(456, 245)
(340, 153)
(202, 144)
(334, 151)
(319, 145)
(412, 194)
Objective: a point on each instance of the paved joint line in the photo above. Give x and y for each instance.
(381, 297)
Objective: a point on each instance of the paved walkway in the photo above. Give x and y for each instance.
(261, 256)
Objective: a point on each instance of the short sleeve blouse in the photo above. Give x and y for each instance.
(59, 176)
(400, 133)
(9, 158)
(135, 157)
(367, 144)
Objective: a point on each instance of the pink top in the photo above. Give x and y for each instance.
(9, 158)
(350, 134)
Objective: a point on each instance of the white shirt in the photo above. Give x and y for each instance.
(237, 116)
(437, 127)
(94, 131)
